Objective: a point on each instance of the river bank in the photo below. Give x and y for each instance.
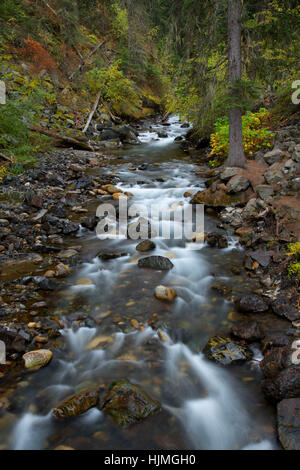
(90, 303)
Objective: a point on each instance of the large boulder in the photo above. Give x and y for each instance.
(285, 309)
(109, 134)
(251, 304)
(127, 134)
(273, 175)
(247, 330)
(288, 423)
(237, 184)
(217, 198)
(263, 258)
(285, 385)
(225, 351)
(34, 360)
(264, 191)
(127, 403)
(76, 404)
(228, 173)
(274, 156)
(156, 262)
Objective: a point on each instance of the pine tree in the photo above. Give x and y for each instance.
(236, 156)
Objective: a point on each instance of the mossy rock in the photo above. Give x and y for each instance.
(77, 404)
(217, 199)
(127, 403)
(225, 351)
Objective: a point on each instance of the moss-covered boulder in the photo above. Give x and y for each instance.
(77, 404)
(225, 351)
(34, 360)
(127, 403)
(219, 198)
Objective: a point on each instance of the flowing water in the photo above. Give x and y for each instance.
(205, 406)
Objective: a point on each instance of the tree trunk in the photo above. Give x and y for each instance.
(236, 156)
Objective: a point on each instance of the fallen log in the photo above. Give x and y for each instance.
(66, 141)
(92, 112)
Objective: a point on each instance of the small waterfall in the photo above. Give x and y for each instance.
(31, 432)
(218, 420)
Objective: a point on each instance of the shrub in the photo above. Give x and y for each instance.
(255, 134)
(116, 89)
(40, 58)
(294, 266)
(3, 172)
(16, 140)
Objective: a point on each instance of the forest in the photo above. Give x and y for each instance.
(149, 225)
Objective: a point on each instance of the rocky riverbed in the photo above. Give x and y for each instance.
(58, 282)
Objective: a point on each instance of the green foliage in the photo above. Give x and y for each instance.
(115, 87)
(294, 266)
(119, 21)
(255, 135)
(241, 95)
(16, 140)
(13, 11)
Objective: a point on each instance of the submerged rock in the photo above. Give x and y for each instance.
(248, 330)
(225, 351)
(288, 423)
(222, 288)
(252, 304)
(127, 403)
(146, 245)
(77, 404)
(34, 360)
(107, 255)
(156, 262)
(217, 239)
(165, 293)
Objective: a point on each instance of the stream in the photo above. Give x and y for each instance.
(204, 406)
